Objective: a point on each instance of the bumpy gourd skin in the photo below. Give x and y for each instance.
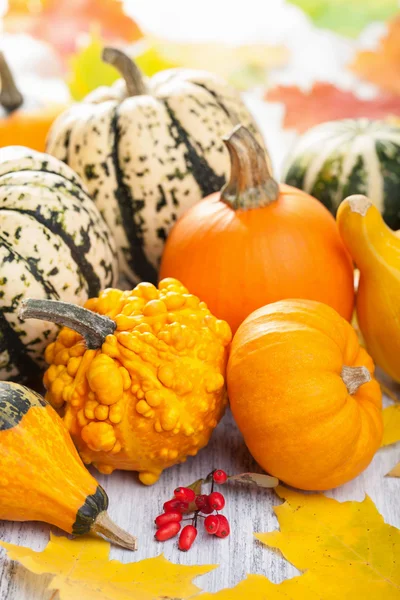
(154, 391)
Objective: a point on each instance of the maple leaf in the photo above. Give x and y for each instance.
(347, 17)
(244, 66)
(88, 71)
(346, 549)
(395, 472)
(381, 66)
(61, 22)
(81, 569)
(391, 424)
(325, 102)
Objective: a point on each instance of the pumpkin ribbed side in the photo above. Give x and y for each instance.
(353, 156)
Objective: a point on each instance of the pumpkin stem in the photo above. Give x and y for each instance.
(10, 96)
(105, 526)
(354, 377)
(93, 327)
(251, 184)
(129, 70)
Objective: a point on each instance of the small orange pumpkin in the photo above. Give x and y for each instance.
(256, 242)
(23, 122)
(303, 394)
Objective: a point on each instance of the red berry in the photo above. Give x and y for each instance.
(187, 537)
(211, 524)
(223, 527)
(169, 517)
(175, 505)
(167, 531)
(216, 500)
(203, 504)
(185, 494)
(220, 476)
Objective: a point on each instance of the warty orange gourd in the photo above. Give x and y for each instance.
(144, 387)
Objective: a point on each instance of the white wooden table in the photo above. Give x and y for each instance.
(249, 510)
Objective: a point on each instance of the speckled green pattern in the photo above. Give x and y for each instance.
(353, 156)
(53, 244)
(147, 159)
(86, 515)
(15, 402)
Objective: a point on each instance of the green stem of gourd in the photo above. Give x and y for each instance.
(355, 377)
(10, 96)
(93, 327)
(251, 184)
(129, 70)
(103, 525)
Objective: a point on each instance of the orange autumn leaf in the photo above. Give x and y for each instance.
(61, 22)
(325, 102)
(382, 66)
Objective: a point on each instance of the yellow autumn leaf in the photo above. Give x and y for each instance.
(391, 424)
(395, 472)
(81, 569)
(243, 66)
(346, 550)
(88, 71)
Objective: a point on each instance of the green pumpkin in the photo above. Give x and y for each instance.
(353, 156)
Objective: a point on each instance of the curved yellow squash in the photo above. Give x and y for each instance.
(376, 251)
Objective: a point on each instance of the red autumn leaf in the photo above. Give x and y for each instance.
(61, 22)
(325, 102)
(382, 66)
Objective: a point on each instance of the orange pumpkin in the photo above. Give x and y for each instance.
(22, 123)
(256, 242)
(303, 394)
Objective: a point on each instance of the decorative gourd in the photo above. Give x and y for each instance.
(148, 151)
(256, 242)
(353, 156)
(23, 121)
(42, 477)
(146, 387)
(303, 394)
(53, 244)
(376, 251)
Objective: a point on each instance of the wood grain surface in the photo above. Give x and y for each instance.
(249, 510)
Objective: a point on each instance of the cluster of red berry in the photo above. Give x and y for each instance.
(169, 522)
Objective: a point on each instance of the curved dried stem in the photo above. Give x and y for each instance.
(93, 327)
(129, 70)
(10, 96)
(251, 184)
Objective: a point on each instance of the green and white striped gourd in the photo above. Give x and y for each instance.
(354, 156)
(147, 151)
(53, 244)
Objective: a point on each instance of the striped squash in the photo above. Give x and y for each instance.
(353, 156)
(53, 244)
(148, 151)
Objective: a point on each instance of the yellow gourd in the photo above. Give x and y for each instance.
(142, 383)
(42, 477)
(376, 251)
